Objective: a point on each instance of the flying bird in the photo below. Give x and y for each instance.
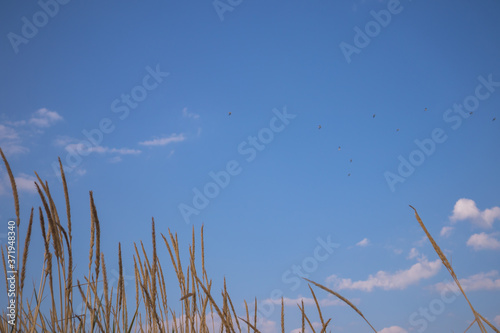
(471, 113)
(397, 130)
(374, 115)
(339, 148)
(229, 114)
(348, 174)
(350, 160)
(494, 119)
(425, 109)
(319, 126)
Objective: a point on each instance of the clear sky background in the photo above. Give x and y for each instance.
(395, 96)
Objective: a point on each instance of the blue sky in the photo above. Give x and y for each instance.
(147, 103)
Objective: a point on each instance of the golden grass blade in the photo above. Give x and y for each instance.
(187, 296)
(325, 325)
(303, 314)
(107, 309)
(470, 326)
(153, 272)
(221, 316)
(302, 309)
(25, 254)
(450, 269)
(13, 185)
(282, 316)
(252, 326)
(345, 300)
(97, 235)
(52, 227)
(5, 268)
(317, 305)
(234, 312)
(489, 324)
(255, 313)
(248, 317)
(66, 199)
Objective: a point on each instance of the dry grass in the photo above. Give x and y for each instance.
(108, 311)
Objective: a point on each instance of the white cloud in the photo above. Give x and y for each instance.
(25, 183)
(10, 141)
(483, 241)
(80, 148)
(446, 231)
(497, 320)
(124, 151)
(44, 118)
(422, 241)
(63, 140)
(16, 123)
(266, 326)
(185, 113)
(81, 172)
(363, 243)
(329, 301)
(389, 281)
(393, 329)
(481, 281)
(413, 253)
(115, 159)
(7, 133)
(315, 324)
(164, 141)
(397, 251)
(466, 209)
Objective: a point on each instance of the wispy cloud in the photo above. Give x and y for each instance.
(329, 301)
(10, 141)
(187, 114)
(24, 183)
(16, 123)
(315, 324)
(481, 281)
(446, 231)
(413, 253)
(7, 133)
(497, 320)
(80, 148)
(483, 241)
(390, 281)
(466, 209)
(164, 141)
(115, 159)
(363, 243)
(422, 241)
(13, 133)
(397, 251)
(393, 329)
(44, 118)
(63, 140)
